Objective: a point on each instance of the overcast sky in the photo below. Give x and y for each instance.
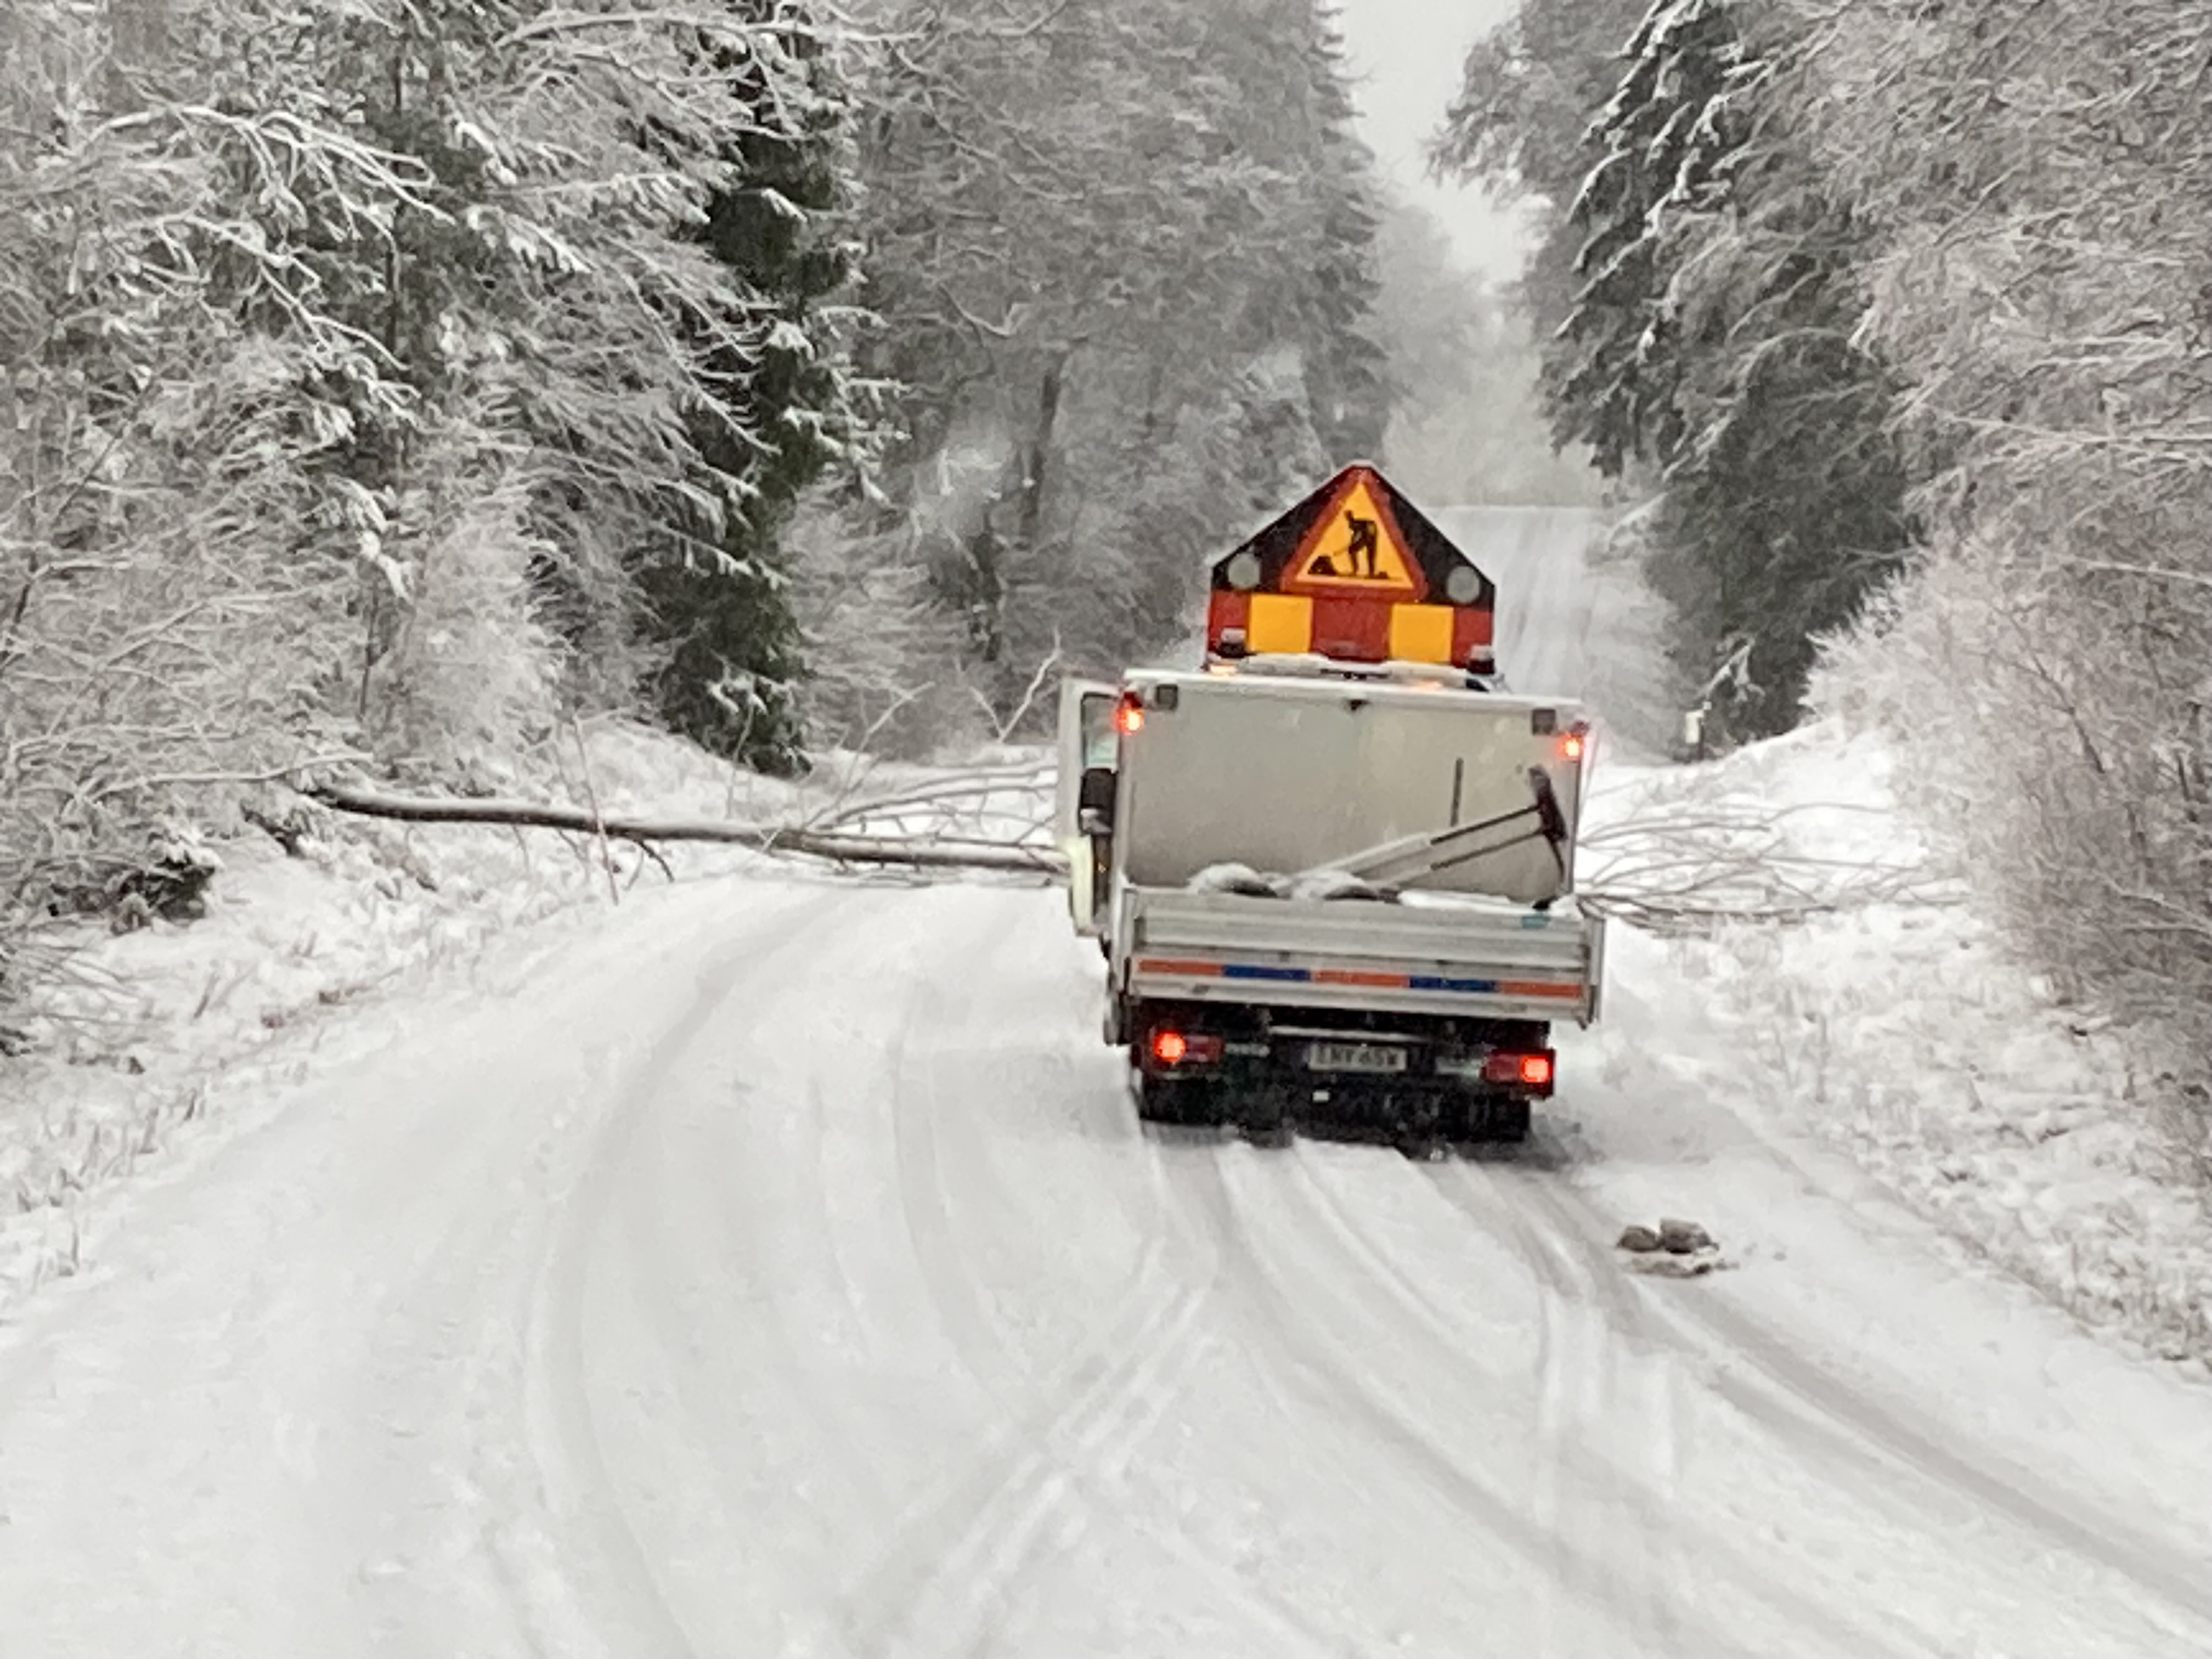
(1407, 55)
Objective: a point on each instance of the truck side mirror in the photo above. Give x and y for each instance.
(1094, 799)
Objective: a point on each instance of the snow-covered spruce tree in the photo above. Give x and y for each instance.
(1786, 506)
(1666, 145)
(720, 600)
(1520, 122)
(1710, 338)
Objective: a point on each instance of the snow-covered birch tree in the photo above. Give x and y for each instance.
(176, 559)
(2040, 181)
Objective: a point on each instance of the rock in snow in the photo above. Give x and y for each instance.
(1679, 1237)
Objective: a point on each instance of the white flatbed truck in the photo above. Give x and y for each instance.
(1332, 897)
(1331, 883)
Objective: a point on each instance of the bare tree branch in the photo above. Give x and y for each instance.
(916, 853)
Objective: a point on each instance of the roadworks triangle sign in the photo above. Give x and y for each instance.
(1355, 547)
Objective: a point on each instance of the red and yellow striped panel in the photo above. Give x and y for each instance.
(1349, 630)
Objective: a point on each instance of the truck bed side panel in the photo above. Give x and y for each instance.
(1501, 964)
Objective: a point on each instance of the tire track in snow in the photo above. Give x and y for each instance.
(564, 1432)
(1801, 1399)
(1812, 1415)
(1584, 1326)
(1548, 1499)
(563, 1426)
(955, 1550)
(1795, 1396)
(976, 1337)
(745, 1335)
(956, 1553)
(1608, 1314)
(1502, 1207)
(1335, 1380)
(1015, 1538)
(1352, 1232)
(1583, 1314)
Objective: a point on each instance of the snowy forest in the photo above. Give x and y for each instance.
(1897, 319)
(671, 982)
(387, 381)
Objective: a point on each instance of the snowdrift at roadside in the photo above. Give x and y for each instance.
(1870, 1003)
(146, 1027)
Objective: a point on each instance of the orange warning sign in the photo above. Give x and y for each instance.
(1355, 547)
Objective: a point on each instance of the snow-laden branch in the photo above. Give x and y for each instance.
(1689, 872)
(916, 853)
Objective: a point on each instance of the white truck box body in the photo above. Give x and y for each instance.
(1284, 775)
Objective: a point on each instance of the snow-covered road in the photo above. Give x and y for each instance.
(1570, 619)
(777, 1268)
(787, 1274)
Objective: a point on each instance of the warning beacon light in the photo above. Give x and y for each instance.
(1354, 574)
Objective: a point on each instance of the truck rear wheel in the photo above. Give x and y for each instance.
(1506, 1122)
(1187, 1102)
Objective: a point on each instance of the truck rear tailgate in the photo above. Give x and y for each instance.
(1492, 961)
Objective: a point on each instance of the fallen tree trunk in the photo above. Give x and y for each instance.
(767, 838)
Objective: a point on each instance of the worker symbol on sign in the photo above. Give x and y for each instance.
(1359, 553)
(1355, 547)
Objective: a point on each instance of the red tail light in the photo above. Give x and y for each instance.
(1185, 1048)
(1519, 1071)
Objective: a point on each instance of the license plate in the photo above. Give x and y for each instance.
(1355, 1057)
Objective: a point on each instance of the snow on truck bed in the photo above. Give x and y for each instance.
(1327, 885)
(1306, 886)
